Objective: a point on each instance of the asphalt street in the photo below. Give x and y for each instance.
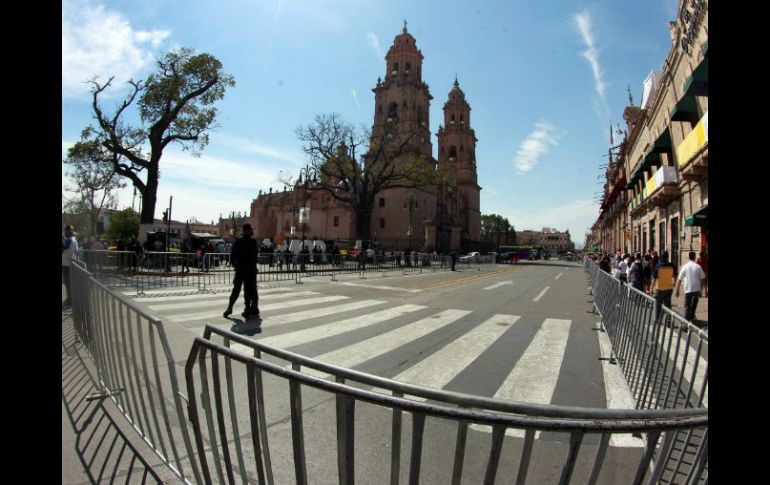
(520, 333)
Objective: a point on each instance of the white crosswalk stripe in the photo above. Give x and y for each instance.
(533, 378)
(336, 328)
(213, 294)
(370, 348)
(438, 369)
(225, 299)
(187, 317)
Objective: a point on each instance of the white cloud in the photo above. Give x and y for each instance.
(583, 21)
(375, 43)
(355, 97)
(252, 147)
(217, 172)
(535, 146)
(100, 42)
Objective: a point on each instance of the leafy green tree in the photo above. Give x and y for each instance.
(124, 225)
(95, 182)
(175, 105)
(496, 228)
(353, 165)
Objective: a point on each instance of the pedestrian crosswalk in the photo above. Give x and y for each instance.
(345, 332)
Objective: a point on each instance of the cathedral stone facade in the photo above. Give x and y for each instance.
(431, 218)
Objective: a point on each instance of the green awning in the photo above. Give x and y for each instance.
(685, 110)
(663, 143)
(698, 82)
(699, 218)
(652, 158)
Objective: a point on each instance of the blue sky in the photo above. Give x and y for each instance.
(544, 80)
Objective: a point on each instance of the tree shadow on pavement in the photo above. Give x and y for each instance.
(103, 449)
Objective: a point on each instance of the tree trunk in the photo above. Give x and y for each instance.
(363, 223)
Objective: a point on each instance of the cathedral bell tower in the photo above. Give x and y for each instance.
(402, 99)
(457, 156)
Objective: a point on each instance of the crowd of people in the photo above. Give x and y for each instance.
(654, 274)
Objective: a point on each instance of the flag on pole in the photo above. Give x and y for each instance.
(611, 142)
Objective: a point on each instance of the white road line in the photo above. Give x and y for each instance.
(370, 348)
(335, 328)
(559, 275)
(538, 297)
(533, 378)
(263, 308)
(225, 297)
(441, 367)
(306, 315)
(497, 285)
(377, 287)
(617, 392)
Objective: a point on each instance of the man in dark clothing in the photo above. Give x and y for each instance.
(454, 259)
(244, 259)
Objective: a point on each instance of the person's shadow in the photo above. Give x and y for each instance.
(249, 327)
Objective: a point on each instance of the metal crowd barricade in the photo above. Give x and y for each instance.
(239, 376)
(135, 369)
(154, 270)
(664, 360)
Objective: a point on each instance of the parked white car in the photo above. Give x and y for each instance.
(472, 257)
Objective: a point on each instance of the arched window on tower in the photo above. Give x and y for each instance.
(408, 68)
(452, 120)
(452, 152)
(394, 72)
(392, 111)
(462, 121)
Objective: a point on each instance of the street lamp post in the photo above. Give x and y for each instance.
(304, 216)
(411, 204)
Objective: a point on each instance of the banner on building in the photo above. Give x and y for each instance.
(694, 141)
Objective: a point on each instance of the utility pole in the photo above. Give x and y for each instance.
(168, 223)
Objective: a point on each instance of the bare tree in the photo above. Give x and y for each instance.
(174, 105)
(354, 166)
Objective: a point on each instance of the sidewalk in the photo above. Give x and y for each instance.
(701, 311)
(98, 443)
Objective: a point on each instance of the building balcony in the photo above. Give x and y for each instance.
(692, 153)
(663, 187)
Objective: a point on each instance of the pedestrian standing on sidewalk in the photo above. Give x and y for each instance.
(635, 272)
(663, 280)
(244, 259)
(646, 273)
(693, 277)
(454, 259)
(69, 249)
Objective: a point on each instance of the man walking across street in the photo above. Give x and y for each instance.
(244, 259)
(694, 277)
(662, 278)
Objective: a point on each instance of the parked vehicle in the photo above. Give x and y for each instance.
(472, 257)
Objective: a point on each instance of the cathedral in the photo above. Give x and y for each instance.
(431, 218)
